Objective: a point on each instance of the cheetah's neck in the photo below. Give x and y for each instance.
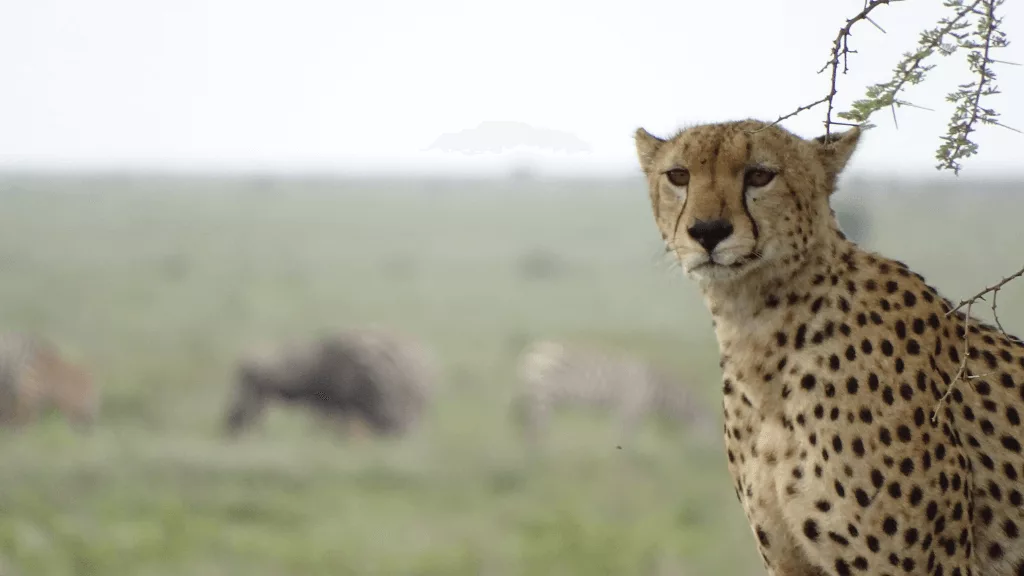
(767, 296)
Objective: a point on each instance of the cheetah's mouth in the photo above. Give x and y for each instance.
(710, 263)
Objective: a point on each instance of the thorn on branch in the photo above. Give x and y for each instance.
(1001, 125)
(912, 105)
(876, 25)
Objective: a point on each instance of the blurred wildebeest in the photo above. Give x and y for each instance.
(556, 375)
(35, 377)
(376, 377)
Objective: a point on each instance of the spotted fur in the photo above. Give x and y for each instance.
(834, 362)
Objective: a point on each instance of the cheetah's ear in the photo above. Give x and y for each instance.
(647, 146)
(834, 151)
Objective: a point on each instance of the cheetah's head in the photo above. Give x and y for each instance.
(732, 198)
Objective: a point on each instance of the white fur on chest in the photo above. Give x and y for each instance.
(772, 438)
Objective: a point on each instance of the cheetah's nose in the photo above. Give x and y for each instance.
(709, 233)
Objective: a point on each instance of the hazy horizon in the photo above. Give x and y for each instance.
(317, 86)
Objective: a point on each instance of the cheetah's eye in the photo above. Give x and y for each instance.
(678, 177)
(758, 177)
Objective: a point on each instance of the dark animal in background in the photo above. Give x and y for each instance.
(381, 379)
(35, 377)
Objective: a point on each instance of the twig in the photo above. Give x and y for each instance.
(969, 302)
(948, 36)
(791, 114)
(984, 79)
(963, 363)
(841, 49)
(910, 70)
(990, 289)
(995, 315)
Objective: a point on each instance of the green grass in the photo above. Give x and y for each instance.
(159, 284)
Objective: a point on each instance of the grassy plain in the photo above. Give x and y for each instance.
(158, 283)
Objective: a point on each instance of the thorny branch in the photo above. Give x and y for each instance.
(969, 302)
(963, 363)
(951, 34)
(969, 112)
(911, 69)
(840, 51)
(993, 289)
(795, 112)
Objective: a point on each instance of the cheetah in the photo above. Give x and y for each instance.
(852, 445)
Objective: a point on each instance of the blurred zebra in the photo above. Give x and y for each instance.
(556, 375)
(379, 378)
(35, 377)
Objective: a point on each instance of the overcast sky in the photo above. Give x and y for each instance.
(401, 86)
